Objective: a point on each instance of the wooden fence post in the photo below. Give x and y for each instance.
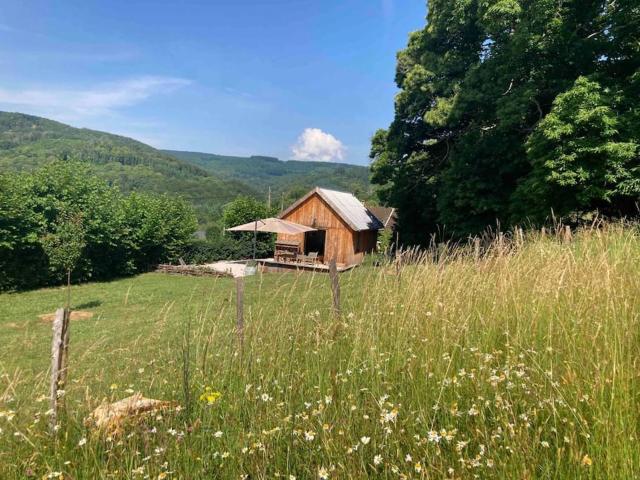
(567, 234)
(240, 310)
(398, 263)
(59, 355)
(520, 233)
(500, 244)
(335, 286)
(65, 347)
(476, 248)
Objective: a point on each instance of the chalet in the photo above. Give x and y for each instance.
(345, 230)
(388, 216)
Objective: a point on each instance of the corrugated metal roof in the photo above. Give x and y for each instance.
(347, 206)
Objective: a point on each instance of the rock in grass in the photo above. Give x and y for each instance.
(111, 416)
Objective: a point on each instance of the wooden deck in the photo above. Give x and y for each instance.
(270, 265)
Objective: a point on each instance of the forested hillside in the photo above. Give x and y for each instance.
(207, 181)
(288, 179)
(509, 110)
(27, 142)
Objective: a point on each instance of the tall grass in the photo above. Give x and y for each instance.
(518, 360)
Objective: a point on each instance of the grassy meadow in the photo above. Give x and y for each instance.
(520, 364)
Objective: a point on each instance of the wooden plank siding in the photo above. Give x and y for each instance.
(341, 242)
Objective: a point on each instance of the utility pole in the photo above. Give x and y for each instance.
(269, 199)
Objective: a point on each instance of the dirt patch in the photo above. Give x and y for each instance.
(75, 315)
(228, 268)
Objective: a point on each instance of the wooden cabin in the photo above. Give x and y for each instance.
(345, 229)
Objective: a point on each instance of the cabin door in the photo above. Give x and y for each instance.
(314, 242)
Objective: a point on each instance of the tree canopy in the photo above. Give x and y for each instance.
(508, 109)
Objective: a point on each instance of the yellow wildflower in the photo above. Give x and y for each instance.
(209, 396)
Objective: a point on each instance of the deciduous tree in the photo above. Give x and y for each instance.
(510, 108)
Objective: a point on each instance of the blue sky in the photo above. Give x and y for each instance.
(289, 78)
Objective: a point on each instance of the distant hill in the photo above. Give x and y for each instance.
(289, 178)
(27, 142)
(208, 181)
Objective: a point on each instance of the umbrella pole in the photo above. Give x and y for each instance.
(255, 234)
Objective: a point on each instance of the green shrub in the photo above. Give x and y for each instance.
(121, 235)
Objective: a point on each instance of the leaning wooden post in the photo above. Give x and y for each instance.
(335, 286)
(240, 310)
(64, 364)
(58, 358)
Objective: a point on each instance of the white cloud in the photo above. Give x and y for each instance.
(314, 144)
(65, 103)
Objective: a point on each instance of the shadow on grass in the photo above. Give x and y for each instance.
(90, 304)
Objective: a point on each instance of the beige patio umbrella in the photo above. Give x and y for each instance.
(270, 225)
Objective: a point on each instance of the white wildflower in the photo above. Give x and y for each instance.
(461, 445)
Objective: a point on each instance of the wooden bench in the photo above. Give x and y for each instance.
(312, 257)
